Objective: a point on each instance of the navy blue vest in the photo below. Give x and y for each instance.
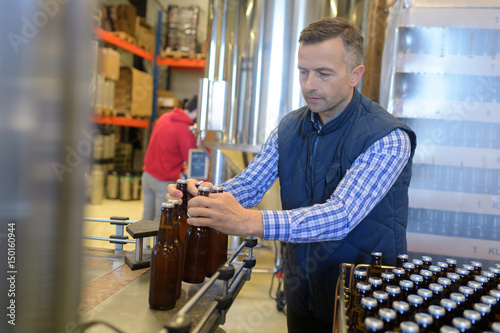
(311, 165)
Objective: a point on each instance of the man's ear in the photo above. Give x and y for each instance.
(356, 75)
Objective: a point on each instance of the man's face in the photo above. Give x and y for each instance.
(325, 78)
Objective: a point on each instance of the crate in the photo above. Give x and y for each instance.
(343, 294)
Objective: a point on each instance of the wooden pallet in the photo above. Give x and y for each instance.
(124, 36)
(179, 55)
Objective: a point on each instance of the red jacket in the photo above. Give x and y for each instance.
(169, 146)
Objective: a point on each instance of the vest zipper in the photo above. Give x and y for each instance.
(312, 158)
(312, 164)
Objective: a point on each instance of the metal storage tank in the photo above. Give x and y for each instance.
(251, 74)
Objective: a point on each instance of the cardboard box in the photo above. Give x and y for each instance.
(108, 63)
(144, 33)
(166, 99)
(134, 93)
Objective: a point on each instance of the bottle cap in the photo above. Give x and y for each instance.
(203, 188)
(454, 277)
(406, 284)
(427, 258)
(387, 275)
(461, 323)
(373, 324)
(488, 300)
(217, 189)
(467, 291)
(424, 293)
(448, 304)
(445, 282)
(472, 315)
(369, 302)
(181, 181)
(409, 327)
(394, 290)
(425, 273)
(377, 254)
(448, 329)
(375, 281)
(380, 295)
(457, 297)
(360, 272)
(174, 201)
(434, 268)
(436, 288)
(476, 264)
(363, 286)
(482, 308)
(399, 306)
(387, 314)
(423, 318)
(417, 262)
(436, 311)
(415, 299)
(417, 278)
(167, 205)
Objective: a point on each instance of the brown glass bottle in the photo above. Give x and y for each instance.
(452, 265)
(178, 244)
(196, 249)
(399, 274)
(217, 248)
(368, 309)
(388, 317)
(183, 225)
(164, 263)
(359, 276)
(426, 295)
(427, 261)
(475, 318)
(401, 259)
(424, 321)
(438, 314)
(375, 268)
(419, 264)
(478, 266)
(362, 290)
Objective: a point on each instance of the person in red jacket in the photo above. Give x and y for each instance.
(166, 156)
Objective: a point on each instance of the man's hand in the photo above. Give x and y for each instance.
(221, 211)
(174, 193)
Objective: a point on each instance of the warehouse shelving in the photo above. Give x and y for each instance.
(181, 64)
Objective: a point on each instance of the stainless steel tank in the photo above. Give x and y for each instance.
(251, 74)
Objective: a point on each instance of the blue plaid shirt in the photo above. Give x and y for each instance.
(367, 181)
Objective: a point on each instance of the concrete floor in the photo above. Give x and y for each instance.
(118, 296)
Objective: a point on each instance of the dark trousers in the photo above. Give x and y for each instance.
(308, 324)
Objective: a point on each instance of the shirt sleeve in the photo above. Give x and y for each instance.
(251, 184)
(363, 186)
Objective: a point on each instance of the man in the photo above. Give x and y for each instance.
(166, 156)
(344, 166)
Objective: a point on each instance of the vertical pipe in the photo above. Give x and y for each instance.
(156, 76)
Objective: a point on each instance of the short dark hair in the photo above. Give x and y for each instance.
(333, 27)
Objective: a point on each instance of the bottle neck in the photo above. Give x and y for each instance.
(166, 233)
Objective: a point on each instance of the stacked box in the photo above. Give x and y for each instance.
(144, 33)
(120, 18)
(182, 29)
(134, 93)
